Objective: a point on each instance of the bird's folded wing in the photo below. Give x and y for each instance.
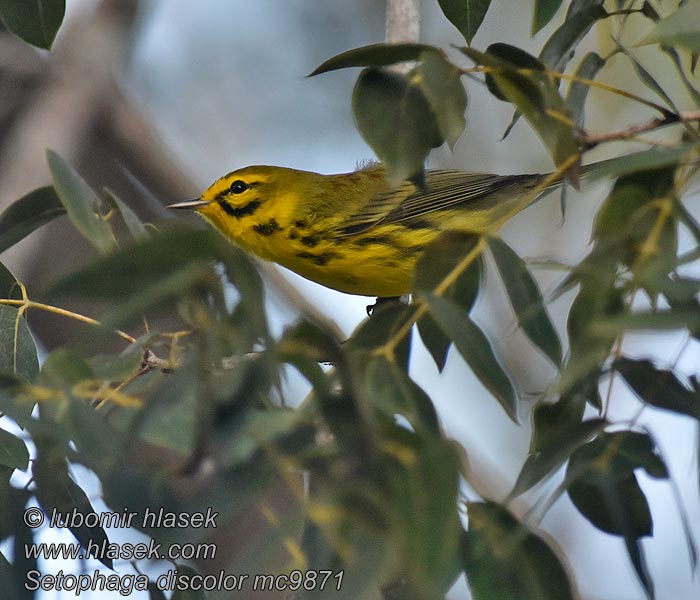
(445, 189)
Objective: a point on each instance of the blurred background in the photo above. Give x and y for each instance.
(156, 99)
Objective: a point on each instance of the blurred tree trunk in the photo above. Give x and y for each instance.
(68, 100)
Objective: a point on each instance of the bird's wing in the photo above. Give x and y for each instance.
(445, 189)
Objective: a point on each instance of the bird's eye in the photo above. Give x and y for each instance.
(238, 187)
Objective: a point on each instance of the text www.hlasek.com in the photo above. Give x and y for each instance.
(107, 551)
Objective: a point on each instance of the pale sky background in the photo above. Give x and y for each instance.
(224, 82)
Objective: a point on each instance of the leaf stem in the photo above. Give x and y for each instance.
(26, 304)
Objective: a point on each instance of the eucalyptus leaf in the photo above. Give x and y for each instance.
(131, 220)
(425, 495)
(394, 392)
(140, 264)
(680, 28)
(18, 354)
(602, 484)
(577, 93)
(56, 491)
(504, 559)
(658, 387)
(654, 158)
(522, 80)
(648, 79)
(465, 15)
(441, 83)
(375, 55)
(678, 63)
(81, 203)
(560, 47)
(544, 11)
(13, 451)
(526, 299)
(35, 21)
(437, 261)
(395, 118)
(554, 452)
(28, 213)
(475, 348)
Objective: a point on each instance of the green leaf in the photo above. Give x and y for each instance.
(133, 223)
(141, 263)
(13, 451)
(441, 83)
(56, 490)
(544, 11)
(17, 356)
(465, 15)
(603, 486)
(679, 28)
(81, 203)
(617, 506)
(526, 299)
(395, 118)
(648, 321)
(439, 259)
(22, 564)
(560, 47)
(504, 559)
(373, 333)
(658, 388)
(677, 62)
(654, 158)
(554, 451)
(394, 392)
(424, 501)
(648, 79)
(637, 223)
(35, 21)
(522, 80)
(28, 213)
(578, 92)
(589, 347)
(9, 288)
(375, 56)
(475, 348)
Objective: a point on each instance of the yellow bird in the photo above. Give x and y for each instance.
(352, 232)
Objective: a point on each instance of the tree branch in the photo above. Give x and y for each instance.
(402, 21)
(402, 25)
(590, 140)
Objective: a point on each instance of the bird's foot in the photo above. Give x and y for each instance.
(371, 307)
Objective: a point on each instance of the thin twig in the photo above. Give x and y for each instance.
(591, 140)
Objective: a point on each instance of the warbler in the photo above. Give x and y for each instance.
(353, 232)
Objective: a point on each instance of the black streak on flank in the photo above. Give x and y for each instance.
(416, 224)
(318, 259)
(243, 211)
(268, 228)
(384, 240)
(293, 235)
(309, 241)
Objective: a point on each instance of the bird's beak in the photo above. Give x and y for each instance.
(189, 204)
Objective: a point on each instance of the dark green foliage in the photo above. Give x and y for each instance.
(35, 21)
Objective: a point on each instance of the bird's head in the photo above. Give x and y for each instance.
(239, 200)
